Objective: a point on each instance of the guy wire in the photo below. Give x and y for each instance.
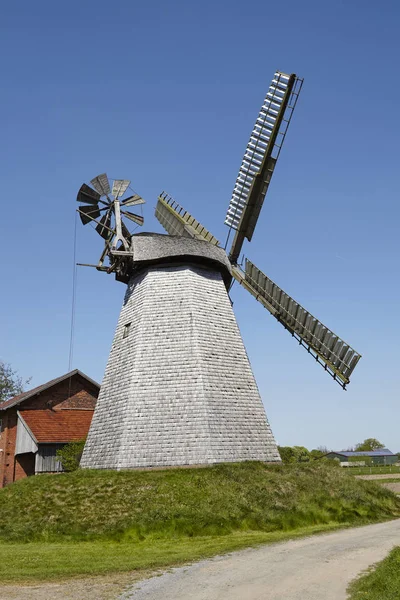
(73, 300)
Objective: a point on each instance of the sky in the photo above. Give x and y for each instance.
(166, 94)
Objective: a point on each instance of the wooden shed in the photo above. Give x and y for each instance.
(36, 423)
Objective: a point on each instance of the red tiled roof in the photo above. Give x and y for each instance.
(40, 388)
(58, 426)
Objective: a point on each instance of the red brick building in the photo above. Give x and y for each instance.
(35, 424)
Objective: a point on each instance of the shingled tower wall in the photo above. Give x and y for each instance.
(178, 387)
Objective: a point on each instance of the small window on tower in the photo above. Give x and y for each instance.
(126, 330)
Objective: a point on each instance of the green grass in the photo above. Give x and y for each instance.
(382, 583)
(372, 470)
(42, 561)
(90, 522)
(131, 506)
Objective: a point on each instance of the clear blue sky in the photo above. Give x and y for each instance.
(166, 94)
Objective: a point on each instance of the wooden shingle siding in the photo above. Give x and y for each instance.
(179, 389)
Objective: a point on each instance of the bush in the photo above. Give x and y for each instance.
(294, 454)
(70, 455)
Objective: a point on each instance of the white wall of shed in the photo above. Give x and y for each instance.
(25, 441)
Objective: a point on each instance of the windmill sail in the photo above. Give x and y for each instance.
(119, 187)
(259, 160)
(101, 184)
(177, 221)
(337, 357)
(88, 195)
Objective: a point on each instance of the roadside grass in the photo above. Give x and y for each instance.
(381, 583)
(40, 561)
(372, 470)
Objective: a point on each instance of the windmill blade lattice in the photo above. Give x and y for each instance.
(261, 155)
(178, 221)
(337, 357)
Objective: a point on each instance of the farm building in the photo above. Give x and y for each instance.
(36, 423)
(378, 457)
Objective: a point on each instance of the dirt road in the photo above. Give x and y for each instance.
(378, 476)
(307, 569)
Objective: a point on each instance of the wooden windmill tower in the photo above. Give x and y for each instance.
(178, 387)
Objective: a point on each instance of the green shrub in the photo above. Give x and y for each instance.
(294, 454)
(70, 455)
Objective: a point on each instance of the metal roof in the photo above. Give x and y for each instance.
(381, 452)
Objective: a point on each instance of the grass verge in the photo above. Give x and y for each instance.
(382, 583)
(24, 563)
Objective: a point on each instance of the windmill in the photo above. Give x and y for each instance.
(178, 387)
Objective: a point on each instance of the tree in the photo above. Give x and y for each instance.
(369, 445)
(294, 454)
(286, 454)
(11, 383)
(302, 454)
(317, 453)
(70, 455)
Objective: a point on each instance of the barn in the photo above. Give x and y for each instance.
(36, 423)
(378, 457)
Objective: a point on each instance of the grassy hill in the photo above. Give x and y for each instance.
(130, 506)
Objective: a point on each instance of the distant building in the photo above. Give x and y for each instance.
(35, 424)
(378, 457)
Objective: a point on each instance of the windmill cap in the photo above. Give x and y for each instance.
(157, 248)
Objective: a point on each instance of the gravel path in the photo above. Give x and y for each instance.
(394, 487)
(384, 476)
(314, 568)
